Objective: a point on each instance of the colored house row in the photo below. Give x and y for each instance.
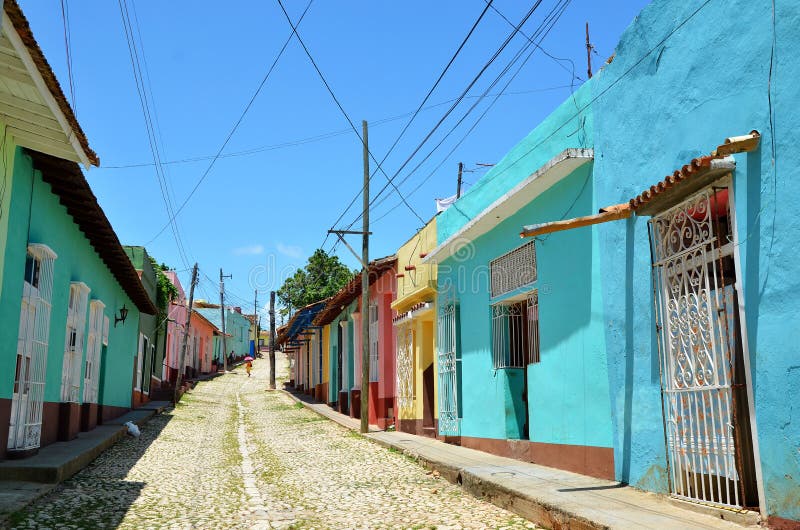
(644, 329)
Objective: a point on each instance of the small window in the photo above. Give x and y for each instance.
(513, 270)
(32, 270)
(515, 333)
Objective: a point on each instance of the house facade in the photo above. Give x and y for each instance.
(175, 325)
(237, 328)
(641, 330)
(146, 365)
(70, 300)
(415, 334)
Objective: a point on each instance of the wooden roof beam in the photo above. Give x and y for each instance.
(609, 213)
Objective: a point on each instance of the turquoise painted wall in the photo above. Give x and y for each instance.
(708, 81)
(77, 261)
(568, 395)
(333, 365)
(565, 127)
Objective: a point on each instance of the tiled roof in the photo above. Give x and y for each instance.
(23, 29)
(699, 172)
(352, 290)
(69, 185)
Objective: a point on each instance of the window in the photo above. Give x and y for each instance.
(93, 351)
(73, 348)
(144, 345)
(515, 333)
(513, 270)
(374, 370)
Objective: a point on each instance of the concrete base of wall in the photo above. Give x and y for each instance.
(779, 523)
(342, 403)
(5, 420)
(595, 462)
(355, 403)
(418, 427)
(88, 416)
(106, 413)
(69, 421)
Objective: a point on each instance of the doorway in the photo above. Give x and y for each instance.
(706, 411)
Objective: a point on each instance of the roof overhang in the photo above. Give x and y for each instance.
(555, 170)
(32, 104)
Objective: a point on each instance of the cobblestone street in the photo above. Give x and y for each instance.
(232, 455)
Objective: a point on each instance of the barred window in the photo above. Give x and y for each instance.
(515, 333)
(513, 270)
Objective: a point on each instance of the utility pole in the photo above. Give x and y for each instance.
(589, 48)
(365, 291)
(222, 311)
(185, 341)
(458, 186)
(255, 324)
(272, 340)
(364, 259)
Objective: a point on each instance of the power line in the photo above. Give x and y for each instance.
(235, 125)
(68, 48)
(541, 33)
(318, 137)
(338, 104)
(421, 105)
(458, 100)
(148, 119)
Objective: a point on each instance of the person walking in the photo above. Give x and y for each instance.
(249, 367)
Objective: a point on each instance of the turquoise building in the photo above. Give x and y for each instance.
(646, 331)
(237, 327)
(70, 300)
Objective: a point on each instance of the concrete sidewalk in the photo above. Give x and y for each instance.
(23, 481)
(548, 497)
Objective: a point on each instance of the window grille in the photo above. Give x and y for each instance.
(534, 353)
(515, 333)
(93, 348)
(513, 270)
(373, 344)
(73, 348)
(509, 335)
(446, 347)
(405, 368)
(32, 346)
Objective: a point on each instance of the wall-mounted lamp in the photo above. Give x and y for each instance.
(123, 314)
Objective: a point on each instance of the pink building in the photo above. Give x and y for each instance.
(175, 325)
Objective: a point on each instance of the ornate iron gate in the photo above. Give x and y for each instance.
(695, 322)
(405, 367)
(448, 368)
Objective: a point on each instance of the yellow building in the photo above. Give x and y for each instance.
(415, 332)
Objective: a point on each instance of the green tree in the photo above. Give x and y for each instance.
(321, 277)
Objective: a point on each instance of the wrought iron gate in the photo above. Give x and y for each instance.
(448, 369)
(34, 329)
(405, 368)
(693, 276)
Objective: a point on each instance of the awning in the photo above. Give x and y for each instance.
(695, 175)
(555, 170)
(300, 321)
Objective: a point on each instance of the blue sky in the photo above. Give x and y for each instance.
(260, 213)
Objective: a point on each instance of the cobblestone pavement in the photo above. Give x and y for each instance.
(233, 455)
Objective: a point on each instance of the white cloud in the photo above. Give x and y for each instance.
(249, 250)
(292, 251)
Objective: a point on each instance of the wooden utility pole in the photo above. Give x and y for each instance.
(588, 52)
(222, 311)
(272, 340)
(365, 291)
(184, 343)
(458, 186)
(255, 324)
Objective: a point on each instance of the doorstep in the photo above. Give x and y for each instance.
(546, 496)
(58, 461)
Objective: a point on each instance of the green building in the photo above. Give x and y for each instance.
(70, 300)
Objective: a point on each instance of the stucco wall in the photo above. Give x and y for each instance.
(708, 81)
(77, 261)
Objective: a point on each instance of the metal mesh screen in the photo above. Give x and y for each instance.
(513, 270)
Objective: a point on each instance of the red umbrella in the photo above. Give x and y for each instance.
(248, 358)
